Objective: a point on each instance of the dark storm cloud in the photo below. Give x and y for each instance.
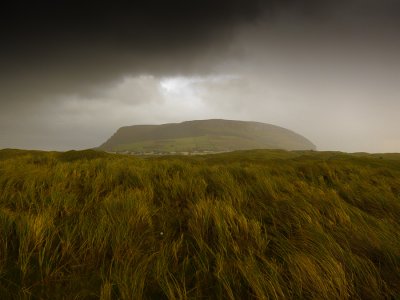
(65, 46)
(50, 47)
(53, 47)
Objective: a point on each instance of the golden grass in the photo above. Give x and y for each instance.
(243, 225)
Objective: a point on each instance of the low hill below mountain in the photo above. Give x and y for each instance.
(204, 136)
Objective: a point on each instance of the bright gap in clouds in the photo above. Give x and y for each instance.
(180, 83)
(180, 92)
(185, 93)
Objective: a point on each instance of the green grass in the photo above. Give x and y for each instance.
(242, 225)
(191, 144)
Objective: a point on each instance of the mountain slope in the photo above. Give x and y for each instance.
(205, 135)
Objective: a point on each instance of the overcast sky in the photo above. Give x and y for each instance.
(72, 74)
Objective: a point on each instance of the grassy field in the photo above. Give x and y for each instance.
(242, 225)
(190, 144)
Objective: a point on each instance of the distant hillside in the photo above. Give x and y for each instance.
(205, 136)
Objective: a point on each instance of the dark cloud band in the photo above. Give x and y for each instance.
(70, 46)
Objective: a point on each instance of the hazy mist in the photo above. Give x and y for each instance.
(70, 75)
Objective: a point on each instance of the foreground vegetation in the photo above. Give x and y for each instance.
(242, 225)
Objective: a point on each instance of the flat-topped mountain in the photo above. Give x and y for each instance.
(213, 135)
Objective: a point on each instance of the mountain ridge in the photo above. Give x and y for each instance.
(211, 135)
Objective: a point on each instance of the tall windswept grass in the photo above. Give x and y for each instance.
(242, 225)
